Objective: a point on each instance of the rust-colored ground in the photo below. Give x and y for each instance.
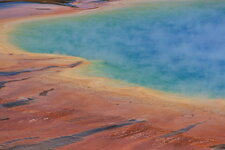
(43, 106)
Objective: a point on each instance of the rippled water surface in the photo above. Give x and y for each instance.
(174, 46)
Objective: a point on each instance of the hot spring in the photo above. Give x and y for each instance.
(172, 46)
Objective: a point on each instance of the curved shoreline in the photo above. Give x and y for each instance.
(140, 102)
(12, 24)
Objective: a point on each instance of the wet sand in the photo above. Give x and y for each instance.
(45, 103)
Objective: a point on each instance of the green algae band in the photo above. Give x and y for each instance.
(173, 46)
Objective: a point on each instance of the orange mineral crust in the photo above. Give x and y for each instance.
(45, 103)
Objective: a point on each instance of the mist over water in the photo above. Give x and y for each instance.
(174, 46)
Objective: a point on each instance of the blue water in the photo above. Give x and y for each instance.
(11, 4)
(173, 46)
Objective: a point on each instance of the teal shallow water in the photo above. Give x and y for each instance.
(173, 46)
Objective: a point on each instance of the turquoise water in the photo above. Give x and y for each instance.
(173, 46)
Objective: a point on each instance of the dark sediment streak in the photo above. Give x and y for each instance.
(56, 2)
(75, 64)
(2, 83)
(180, 131)
(16, 140)
(66, 140)
(13, 73)
(45, 93)
(16, 103)
(4, 119)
